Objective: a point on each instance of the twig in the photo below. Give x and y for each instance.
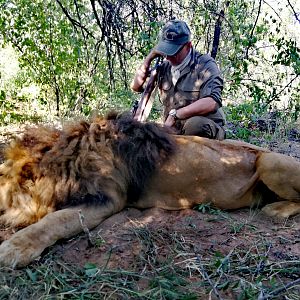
(255, 23)
(282, 90)
(292, 8)
(75, 23)
(275, 12)
(206, 277)
(280, 290)
(85, 229)
(261, 264)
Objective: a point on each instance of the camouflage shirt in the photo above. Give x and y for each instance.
(200, 78)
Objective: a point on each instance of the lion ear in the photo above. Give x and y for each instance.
(94, 114)
(112, 115)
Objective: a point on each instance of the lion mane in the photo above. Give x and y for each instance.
(101, 166)
(48, 169)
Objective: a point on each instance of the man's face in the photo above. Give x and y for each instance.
(178, 58)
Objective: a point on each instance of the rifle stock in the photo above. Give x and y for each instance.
(142, 108)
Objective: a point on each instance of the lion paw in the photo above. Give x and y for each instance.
(18, 252)
(282, 209)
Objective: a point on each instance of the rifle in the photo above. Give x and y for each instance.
(217, 32)
(141, 108)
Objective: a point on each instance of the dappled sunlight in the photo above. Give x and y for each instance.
(182, 140)
(173, 170)
(204, 77)
(233, 160)
(142, 222)
(184, 202)
(9, 65)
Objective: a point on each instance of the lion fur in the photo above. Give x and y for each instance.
(48, 169)
(106, 164)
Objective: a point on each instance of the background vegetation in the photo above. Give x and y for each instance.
(68, 57)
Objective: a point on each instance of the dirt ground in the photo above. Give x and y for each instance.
(198, 232)
(138, 241)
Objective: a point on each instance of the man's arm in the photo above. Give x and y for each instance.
(200, 107)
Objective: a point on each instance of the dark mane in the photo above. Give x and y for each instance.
(88, 161)
(143, 147)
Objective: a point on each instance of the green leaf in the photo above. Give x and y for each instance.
(32, 275)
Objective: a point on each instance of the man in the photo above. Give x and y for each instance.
(190, 84)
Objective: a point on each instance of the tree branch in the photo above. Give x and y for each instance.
(74, 22)
(82, 31)
(275, 12)
(252, 31)
(294, 12)
(282, 90)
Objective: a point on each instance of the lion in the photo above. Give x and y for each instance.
(101, 166)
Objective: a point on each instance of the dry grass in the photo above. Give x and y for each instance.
(168, 266)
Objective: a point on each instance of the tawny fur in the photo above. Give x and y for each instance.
(48, 169)
(106, 164)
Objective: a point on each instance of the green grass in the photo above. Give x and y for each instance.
(16, 118)
(167, 267)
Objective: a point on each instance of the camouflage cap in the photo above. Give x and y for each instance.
(173, 36)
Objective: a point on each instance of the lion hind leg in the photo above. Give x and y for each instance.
(281, 174)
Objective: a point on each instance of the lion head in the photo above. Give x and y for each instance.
(87, 162)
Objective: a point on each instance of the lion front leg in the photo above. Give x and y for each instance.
(27, 244)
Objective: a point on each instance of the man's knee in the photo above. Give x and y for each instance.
(204, 127)
(221, 134)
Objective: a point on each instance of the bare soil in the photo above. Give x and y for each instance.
(193, 240)
(199, 234)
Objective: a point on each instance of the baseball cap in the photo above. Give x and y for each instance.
(173, 36)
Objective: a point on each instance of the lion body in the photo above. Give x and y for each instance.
(105, 165)
(203, 170)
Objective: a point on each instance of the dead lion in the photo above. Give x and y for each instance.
(102, 166)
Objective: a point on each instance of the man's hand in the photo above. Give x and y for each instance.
(150, 57)
(170, 122)
(143, 71)
(154, 53)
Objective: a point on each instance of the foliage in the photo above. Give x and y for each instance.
(207, 208)
(251, 122)
(82, 54)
